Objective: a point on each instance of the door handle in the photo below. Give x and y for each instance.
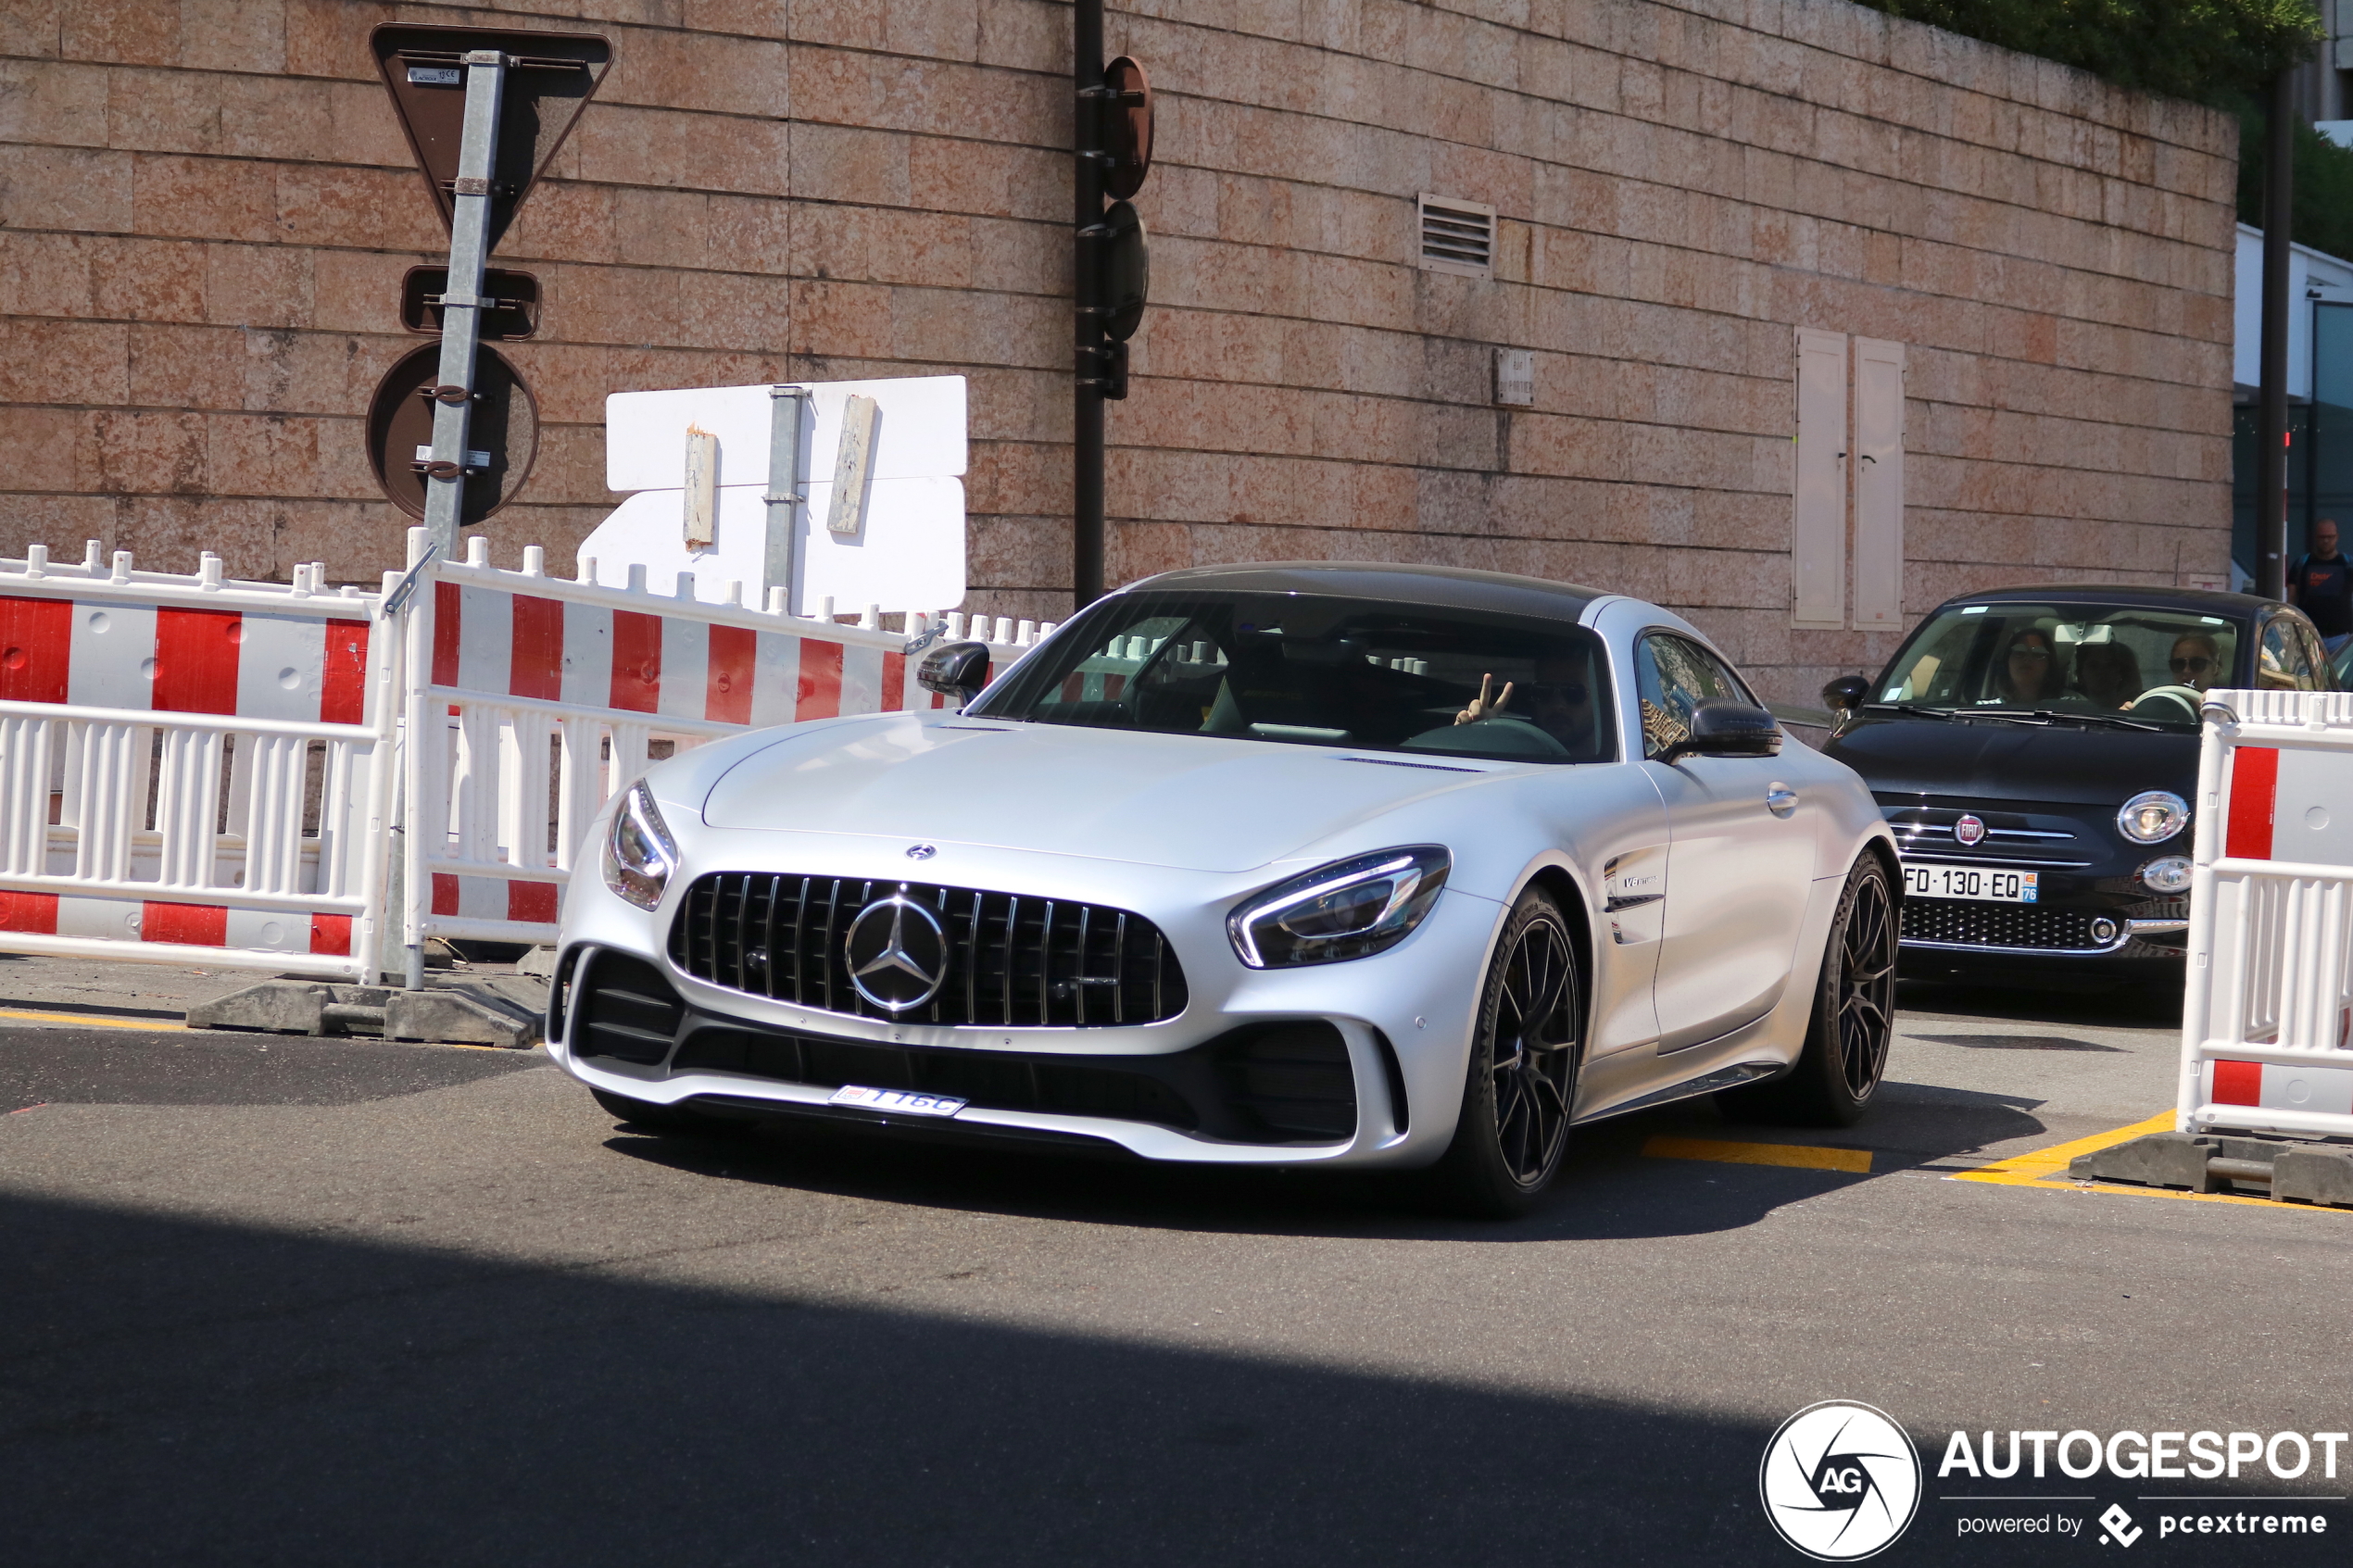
(1780, 800)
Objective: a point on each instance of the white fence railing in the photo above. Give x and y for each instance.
(191, 768)
(2267, 1036)
(196, 769)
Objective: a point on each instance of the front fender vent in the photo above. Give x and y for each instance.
(623, 1008)
(1014, 960)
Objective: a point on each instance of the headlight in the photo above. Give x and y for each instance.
(639, 852)
(2169, 875)
(1348, 910)
(2153, 816)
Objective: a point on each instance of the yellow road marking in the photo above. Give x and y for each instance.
(1803, 1155)
(2047, 1168)
(91, 1020)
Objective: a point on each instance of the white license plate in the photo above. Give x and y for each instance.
(906, 1102)
(1973, 883)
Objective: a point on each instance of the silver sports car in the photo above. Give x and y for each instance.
(1356, 866)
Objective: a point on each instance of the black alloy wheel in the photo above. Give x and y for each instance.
(1836, 1076)
(1522, 1083)
(1864, 989)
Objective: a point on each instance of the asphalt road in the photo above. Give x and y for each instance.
(292, 1302)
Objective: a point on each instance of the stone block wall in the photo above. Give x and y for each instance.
(205, 210)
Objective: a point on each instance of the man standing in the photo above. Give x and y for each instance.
(2320, 585)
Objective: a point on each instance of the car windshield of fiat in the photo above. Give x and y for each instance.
(2086, 663)
(1315, 670)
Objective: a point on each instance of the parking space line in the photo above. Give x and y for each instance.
(94, 1020)
(1803, 1155)
(2047, 1168)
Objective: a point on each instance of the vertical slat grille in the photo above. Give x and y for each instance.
(1014, 962)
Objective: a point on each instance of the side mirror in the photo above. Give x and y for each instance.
(1724, 728)
(957, 669)
(1845, 694)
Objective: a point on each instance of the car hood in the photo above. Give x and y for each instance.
(1988, 759)
(1189, 802)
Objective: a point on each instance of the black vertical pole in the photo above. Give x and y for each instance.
(2271, 473)
(1087, 392)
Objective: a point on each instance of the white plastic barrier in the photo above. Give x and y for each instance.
(191, 768)
(558, 693)
(199, 770)
(2267, 1036)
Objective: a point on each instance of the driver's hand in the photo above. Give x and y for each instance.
(1484, 706)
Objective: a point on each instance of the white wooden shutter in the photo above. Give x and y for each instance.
(1817, 539)
(1879, 484)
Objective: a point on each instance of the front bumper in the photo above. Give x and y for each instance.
(1360, 1063)
(2093, 914)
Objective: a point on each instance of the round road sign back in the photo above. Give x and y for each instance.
(502, 440)
(1127, 129)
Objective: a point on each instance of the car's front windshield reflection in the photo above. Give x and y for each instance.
(1308, 670)
(2083, 660)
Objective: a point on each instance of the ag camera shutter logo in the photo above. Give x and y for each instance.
(1840, 1481)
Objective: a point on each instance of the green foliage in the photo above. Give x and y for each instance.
(2207, 50)
(2322, 184)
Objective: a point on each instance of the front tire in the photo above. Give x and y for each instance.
(1525, 1048)
(1838, 1074)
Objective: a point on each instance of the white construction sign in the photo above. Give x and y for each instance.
(854, 489)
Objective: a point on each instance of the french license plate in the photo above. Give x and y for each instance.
(905, 1103)
(1973, 883)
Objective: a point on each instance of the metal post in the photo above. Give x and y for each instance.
(786, 493)
(2271, 472)
(1089, 358)
(463, 303)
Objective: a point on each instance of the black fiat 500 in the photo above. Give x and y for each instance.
(2035, 750)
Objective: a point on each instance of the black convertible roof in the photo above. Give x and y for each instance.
(1449, 586)
(2204, 601)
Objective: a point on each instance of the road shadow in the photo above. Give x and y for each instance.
(2090, 1006)
(199, 1394)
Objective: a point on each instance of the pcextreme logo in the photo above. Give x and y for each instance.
(1840, 1481)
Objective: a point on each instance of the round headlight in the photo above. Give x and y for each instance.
(2153, 816)
(2171, 875)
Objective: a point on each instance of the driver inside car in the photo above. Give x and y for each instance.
(1559, 702)
(2196, 660)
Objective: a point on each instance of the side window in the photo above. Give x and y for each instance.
(1674, 675)
(2283, 663)
(2317, 654)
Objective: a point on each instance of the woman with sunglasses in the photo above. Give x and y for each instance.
(2196, 660)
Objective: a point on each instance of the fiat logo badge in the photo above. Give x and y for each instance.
(1970, 831)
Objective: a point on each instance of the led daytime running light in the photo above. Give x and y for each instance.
(1263, 939)
(640, 854)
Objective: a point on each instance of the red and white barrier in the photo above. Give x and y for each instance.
(191, 769)
(2267, 1037)
(198, 770)
(555, 694)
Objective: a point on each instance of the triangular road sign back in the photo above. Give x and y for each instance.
(551, 76)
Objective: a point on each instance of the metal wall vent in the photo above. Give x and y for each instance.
(1457, 236)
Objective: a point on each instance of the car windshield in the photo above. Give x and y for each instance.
(2085, 660)
(1313, 671)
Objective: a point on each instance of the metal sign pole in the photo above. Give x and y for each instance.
(463, 305)
(1087, 388)
(785, 494)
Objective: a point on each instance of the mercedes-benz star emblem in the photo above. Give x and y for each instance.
(898, 953)
(1969, 830)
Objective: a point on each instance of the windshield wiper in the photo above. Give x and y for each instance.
(2043, 717)
(1914, 708)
